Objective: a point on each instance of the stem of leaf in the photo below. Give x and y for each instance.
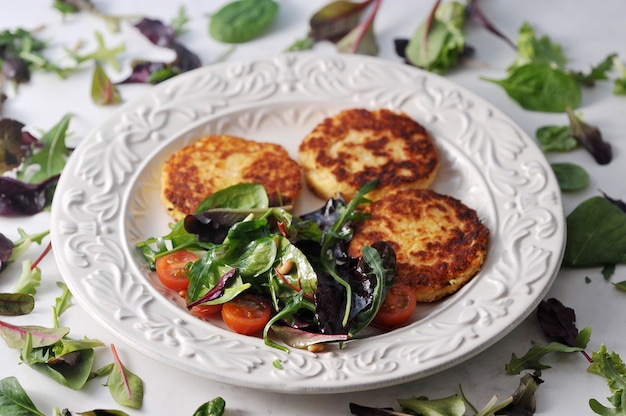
(41, 256)
(121, 367)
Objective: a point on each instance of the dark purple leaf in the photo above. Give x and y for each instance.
(590, 138)
(15, 69)
(142, 71)
(558, 322)
(12, 147)
(6, 249)
(185, 59)
(19, 198)
(617, 202)
(157, 32)
(400, 47)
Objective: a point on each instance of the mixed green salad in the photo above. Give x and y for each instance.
(265, 269)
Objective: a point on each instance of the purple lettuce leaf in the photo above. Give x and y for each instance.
(20, 198)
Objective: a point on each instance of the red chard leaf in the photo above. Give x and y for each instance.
(335, 20)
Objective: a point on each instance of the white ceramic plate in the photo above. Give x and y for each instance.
(108, 199)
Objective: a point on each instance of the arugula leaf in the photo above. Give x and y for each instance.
(102, 54)
(597, 73)
(29, 280)
(619, 84)
(51, 158)
(532, 49)
(611, 367)
(531, 360)
(25, 241)
(14, 400)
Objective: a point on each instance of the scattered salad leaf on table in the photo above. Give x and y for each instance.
(571, 177)
(596, 234)
(214, 407)
(242, 20)
(590, 138)
(14, 400)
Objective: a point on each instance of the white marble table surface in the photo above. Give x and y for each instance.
(588, 32)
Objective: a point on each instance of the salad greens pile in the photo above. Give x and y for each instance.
(323, 295)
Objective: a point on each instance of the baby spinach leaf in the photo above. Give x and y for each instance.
(14, 400)
(72, 370)
(541, 87)
(555, 139)
(214, 407)
(241, 196)
(571, 177)
(596, 234)
(13, 304)
(242, 20)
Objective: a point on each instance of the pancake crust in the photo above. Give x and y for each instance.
(344, 152)
(214, 162)
(440, 243)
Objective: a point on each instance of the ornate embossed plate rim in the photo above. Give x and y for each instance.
(96, 204)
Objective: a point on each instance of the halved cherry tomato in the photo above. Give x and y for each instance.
(398, 306)
(205, 311)
(171, 269)
(247, 314)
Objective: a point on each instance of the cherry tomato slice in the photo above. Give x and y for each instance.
(205, 311)
(246, 314)
(171, 269)
(398, 306)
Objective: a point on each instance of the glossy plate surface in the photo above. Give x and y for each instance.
(108, 199)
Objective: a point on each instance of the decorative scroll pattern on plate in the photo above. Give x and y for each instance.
(108, 199)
